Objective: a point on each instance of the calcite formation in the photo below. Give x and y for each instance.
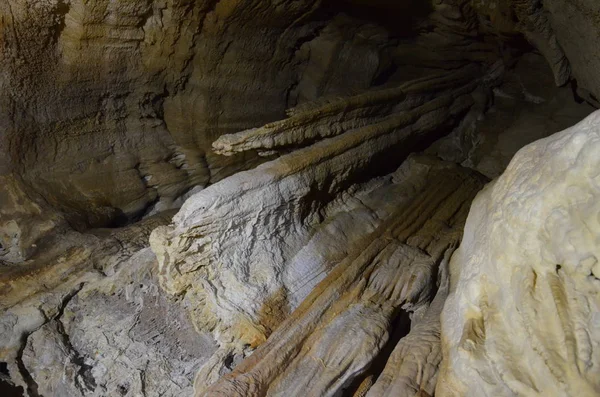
(522, 315)
(312, 254)
(350, 324)
(242, 244)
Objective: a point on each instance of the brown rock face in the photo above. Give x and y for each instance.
(108, 107)
(563, 31)
(108, 110)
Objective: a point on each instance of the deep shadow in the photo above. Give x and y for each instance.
(7, 389)
(399, 329)
(398, 17)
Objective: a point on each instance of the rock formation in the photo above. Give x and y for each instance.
(310, 254)
(355, 316)
(246, 234)
(561, 30)
(87, 318)
(522, 315)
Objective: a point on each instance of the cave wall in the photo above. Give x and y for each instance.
(564, 31)
(110, 107)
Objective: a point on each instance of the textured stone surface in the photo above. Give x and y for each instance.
(576, 24)
(331, 341)
(120, 336)
(564, 31)
(239, 244)
(526, 106)
(89, 319)
(23, 222)
(110, 107)
(522, 315)
(321, 271)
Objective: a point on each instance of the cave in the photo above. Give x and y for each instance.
(236, 198)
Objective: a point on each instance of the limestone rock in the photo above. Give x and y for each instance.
(310, 257)
(241, 244)
(108, 108)
(333, 341)
(522, 315)
(248, 250)
(119, 336)
(87, 318)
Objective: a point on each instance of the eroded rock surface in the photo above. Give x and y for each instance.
(242, 243)
(110, 108)
(357, 314)
(522, 315)
(89, 319)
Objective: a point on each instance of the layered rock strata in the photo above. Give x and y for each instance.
(327, 262)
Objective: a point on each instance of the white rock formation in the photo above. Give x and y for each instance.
(523, 315)
(243, 246)
(372, 325)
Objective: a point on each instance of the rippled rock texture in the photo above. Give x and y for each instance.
(356, 323)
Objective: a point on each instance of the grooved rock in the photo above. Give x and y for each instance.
(241, 244)
(353, 324)
(311, 256)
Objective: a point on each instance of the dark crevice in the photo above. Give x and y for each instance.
(143, 382)
(32, 386)
(84, 380)
(144, 17)
(385, 75)
(62, 9)
(122, 389)
(398, 17)
(399, 329)
(4, 369)
(7, 387)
